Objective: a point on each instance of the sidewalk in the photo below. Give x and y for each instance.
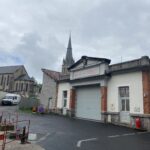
(17, 146)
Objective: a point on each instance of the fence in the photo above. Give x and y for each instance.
(28, 103)
(10, 125)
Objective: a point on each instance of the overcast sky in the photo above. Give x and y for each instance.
(35, 32)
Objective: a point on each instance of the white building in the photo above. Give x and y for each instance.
(93, 89)
(96, 90)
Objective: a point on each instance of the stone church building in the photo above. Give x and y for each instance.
(15, 79)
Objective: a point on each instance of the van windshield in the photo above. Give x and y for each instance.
(8, 97)
(11, 97)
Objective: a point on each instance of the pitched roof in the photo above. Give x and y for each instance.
(9, 69)
(24, 78)
(89, 58)
(52, 74)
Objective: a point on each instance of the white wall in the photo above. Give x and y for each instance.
(63, 87)
(88, 71)
(134, 81)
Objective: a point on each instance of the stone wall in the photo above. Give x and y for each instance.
(144, 119)
(5, 80)
(113, 117)
(49, 89)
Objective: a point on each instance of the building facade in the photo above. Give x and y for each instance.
(93, 89)
(15, 79)
(117, 93)
(50, 96)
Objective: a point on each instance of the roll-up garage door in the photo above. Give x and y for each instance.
(88, 103)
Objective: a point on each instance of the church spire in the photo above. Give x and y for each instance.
(69, 58)
(69, 43)
(68, 61)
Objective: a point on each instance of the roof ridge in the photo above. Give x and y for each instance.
(12, 66)
(52, 74)
(50, 70)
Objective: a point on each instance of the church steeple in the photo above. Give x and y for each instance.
(68, 61)
(69, 43)
(69, 58)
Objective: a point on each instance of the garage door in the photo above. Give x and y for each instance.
(88, 104)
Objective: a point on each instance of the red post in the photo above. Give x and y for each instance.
(138, 123)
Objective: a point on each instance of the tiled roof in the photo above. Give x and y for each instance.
(53, 74)
(9, 69)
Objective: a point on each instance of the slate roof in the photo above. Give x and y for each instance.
(52, 74)
(9, 69)
(25, 78)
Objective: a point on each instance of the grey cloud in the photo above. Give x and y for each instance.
(35, 56)
(36, 32)
(118, 27)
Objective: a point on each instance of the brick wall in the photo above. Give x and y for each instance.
(146, 91)
(103, 91)
(72, 99)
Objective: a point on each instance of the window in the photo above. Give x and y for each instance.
(21, 86)
(124, 98)
(7, 79)
(2, 80)
(16, 86)
(65, 98)
(26, 87)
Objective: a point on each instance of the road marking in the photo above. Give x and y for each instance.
(43, 138)
(113, 136)
(85, 140)
(128, 134)
(143, 132)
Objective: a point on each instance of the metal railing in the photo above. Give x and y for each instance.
(20, 129)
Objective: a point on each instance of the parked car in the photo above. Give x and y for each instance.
(11, 99)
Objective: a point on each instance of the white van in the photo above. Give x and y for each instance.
(11, 99)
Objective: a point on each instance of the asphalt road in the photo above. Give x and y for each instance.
(61, 133)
